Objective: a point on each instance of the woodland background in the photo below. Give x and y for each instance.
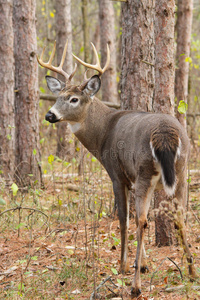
(58, 237)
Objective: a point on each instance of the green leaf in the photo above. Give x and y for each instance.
(131, 237)
(21, 287)
(188, 59)
(2, 202)
(14, 188)
(71, 252)
(42, 140)
(114, 271)
(50, 159)
(117, 241)
(58, 159)
(74, 160)
(135, 243)
(20, 225)
(9, 137)
(60, 202)
(182, 107)
(42, 90)
(34, 151)
(34, 257)
(120, 282)
(23, 261)
(94, 159)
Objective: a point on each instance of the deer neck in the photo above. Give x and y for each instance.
(92, 130)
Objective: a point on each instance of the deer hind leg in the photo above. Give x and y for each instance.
(181, 196)
(143, 194)
(143, 267)
(121, 198)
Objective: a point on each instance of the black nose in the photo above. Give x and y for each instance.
(51, 117)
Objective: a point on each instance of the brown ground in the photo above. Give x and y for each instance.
(69, 255)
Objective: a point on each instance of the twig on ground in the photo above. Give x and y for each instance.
(194, 214)
(109, 288)
(161, 265)
(180, 287)
(113, 282)
(177, 267)
(99, 286)
(156, 271)
(19, 207)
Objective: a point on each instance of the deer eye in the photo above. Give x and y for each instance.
(74, 100)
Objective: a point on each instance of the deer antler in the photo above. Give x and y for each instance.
(59, 69)
(96, 67)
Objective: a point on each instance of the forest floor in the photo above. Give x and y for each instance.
(61, 243)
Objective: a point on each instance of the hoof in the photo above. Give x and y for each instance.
(135, 292)
(144, 269)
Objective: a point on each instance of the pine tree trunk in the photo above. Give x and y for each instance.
(63, 34)
(164, 94)
(85, 30)
(184, 27)
(7, 119)
(107, 36)
(137, 70)
(27, 152)
(137, 74)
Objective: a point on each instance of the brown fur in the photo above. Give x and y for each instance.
(165, 139)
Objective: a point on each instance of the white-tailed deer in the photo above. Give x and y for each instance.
(140, 149)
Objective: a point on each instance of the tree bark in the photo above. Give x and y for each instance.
(7, 119)
(85, 30)
(137, 70)
(27, 151)
(63, 34)
(137, 74)
(164, 94)
(184, 28)
(107, 36)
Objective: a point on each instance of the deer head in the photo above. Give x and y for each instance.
(73, 100)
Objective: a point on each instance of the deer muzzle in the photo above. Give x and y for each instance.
(51, 117)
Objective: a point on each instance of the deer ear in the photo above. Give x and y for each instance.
(54, 84)
(92, 86)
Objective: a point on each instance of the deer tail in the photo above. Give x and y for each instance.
(165, 146)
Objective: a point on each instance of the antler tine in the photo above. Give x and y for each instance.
(58, 69)
(73, 72)
(97, 66)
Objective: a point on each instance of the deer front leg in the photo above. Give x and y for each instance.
(120, 191)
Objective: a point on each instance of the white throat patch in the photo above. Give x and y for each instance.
(74, 126)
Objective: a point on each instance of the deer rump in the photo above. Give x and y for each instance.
(165, 146)
(147, 143)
